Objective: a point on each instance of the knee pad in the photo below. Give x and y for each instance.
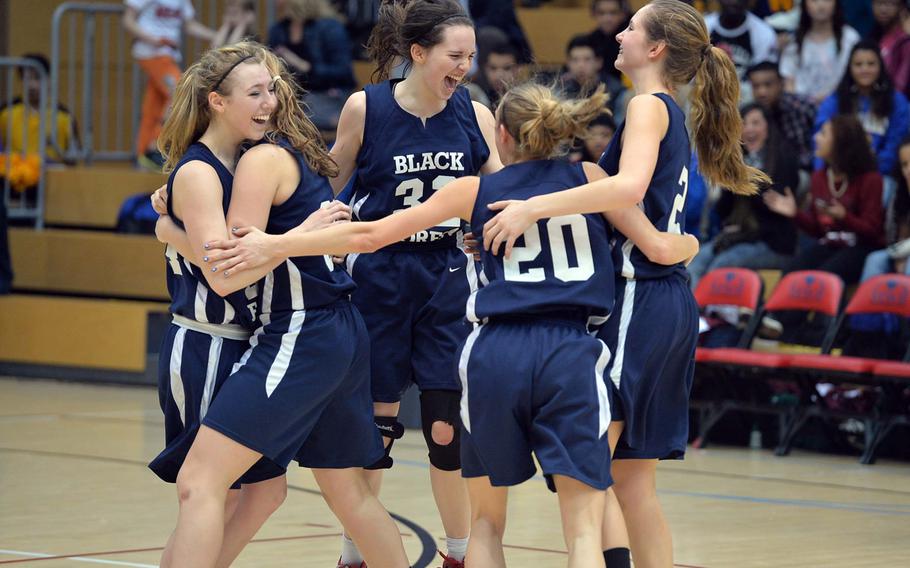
(390, 428)
(442, 406)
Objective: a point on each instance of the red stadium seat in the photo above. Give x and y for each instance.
(808, 291)
(885, 293)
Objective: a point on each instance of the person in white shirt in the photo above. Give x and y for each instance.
(815, 62)
(157, 26)
(744, 36)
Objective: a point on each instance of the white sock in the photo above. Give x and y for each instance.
(457, 548)
(350, 556)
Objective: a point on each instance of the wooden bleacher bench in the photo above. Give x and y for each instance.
(75, 332)
(91, 196)
(91, 263)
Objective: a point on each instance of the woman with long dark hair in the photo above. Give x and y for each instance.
(844, 210)
(814, 63)
(867, 92)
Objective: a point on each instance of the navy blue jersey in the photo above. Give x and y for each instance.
(665, 202)
(191, 295)
(302, 282)
(402, 161)
(560, 266)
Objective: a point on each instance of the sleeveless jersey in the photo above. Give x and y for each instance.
(403, 161)
(665, 201)
(560, 267)
(302, 282)
(191, 296)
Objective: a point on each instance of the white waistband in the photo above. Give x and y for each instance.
(225, 330)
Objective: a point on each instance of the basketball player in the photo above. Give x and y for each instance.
(653, 330)
(209, 333)
(302, 389)
(406, 139)
(532, 376)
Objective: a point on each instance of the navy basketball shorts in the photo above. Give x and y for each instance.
(652, 333)
(302, 391)
(534, 386)
(192, 368)
(414, 306)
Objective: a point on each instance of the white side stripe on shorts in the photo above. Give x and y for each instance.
(211, 373)
(463, 375)
(285, 352)
(628, 302)
(603, 399)
(176, 380)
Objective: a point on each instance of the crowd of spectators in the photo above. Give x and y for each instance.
(806, 67)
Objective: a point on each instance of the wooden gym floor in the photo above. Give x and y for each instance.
(74, 491)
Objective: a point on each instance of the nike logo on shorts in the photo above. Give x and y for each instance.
(454, 269)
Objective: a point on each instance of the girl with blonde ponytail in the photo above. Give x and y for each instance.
(532, 314)
(652, 338)
(307, 399)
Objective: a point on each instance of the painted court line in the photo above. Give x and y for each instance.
(85, 556)
(38, 556)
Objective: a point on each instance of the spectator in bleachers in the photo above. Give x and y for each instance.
(743, 35)
(792, 115)
(239, 22)
(612, 17)
(844, 212)
(497, 65)
(316, 47)
(813, 64)
(583, 66)
(867, 92)
(893, 41)
(752, 235)
(599, 133)
(360, 17)
(895, 257)
(21, 120)
(582, 76)
(501, 14)
(879, 335)
(157, 26)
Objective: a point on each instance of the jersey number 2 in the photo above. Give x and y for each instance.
(532, 248)
(678, 203)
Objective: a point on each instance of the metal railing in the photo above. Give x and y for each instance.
(104, 90)
(22, 193)
(87, 92)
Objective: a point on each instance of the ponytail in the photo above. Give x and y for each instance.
(717, 126)
(187, 120)
(384, 46)
(293, 124)
(542, 123)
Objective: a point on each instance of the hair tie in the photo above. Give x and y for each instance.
(705, 51)
(276, 78)
(228, 72)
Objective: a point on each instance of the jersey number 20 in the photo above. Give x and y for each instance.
(532, 248)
